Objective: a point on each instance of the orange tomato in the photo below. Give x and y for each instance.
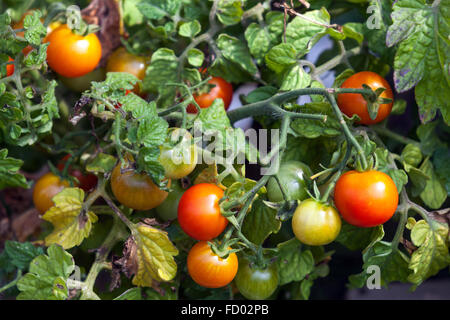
(72, 55)
(48, 186)
(9, 68)
(354, 103)
(136, 190)
(222, 90)
(123, 61)
(208, 269)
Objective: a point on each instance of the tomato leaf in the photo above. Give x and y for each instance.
(229, 12)
(20, 254)
(432, 254)
(293, 262)
(303, 33)
(392, 264)
(155, 255)
(355, 238)
(236, 51)
(102, 163)
(418, 27)
(434, 194)
(260, 222)
(71, 224)
(47, 276)
(9, 176)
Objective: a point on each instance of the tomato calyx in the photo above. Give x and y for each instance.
(374, 100)
(78, 25)
(222, 249)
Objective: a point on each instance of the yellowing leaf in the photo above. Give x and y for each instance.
(433, 254)
(155, 254)
(71, 225)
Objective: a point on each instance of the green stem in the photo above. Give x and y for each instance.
(403, 211)
(270, 107)
(12, 283)
(350, 138)
(393, 135)
(331, 64)
(116, 234)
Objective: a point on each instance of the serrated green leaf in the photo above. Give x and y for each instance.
(293, 262)
(260, 222)
(20, 254)
(45, 272)
(355, 238)
(102, 163)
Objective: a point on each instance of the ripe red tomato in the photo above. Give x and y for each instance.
(72, 55)
(136, 190)
(354, 103)
(208, 269)
(199, 212)
(315, 223)
(87, 182)
(45, 189)
(123, 61)
(222, 90)
(366, 199)
(9, 67)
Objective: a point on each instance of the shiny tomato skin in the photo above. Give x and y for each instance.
(123, 61)
(199, 212)
(48, 186)
(72, 55)
(315, 223)
(222, 90)
(294, 176)
(366, 199)
(256, 283)
(9, 67)
(136, 190)
(353, 103)
(208, 269)
(180, 160)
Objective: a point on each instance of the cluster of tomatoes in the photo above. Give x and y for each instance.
(363, 199)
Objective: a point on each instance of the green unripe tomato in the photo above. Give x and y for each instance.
(294, 176)
(168, 210)
(315, 223)
(178, 159)
(255, 283)
(83, 83)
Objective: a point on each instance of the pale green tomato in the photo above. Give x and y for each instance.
(180, 159)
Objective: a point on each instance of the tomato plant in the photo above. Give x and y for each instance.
(254, 282)
(366, 199)
(342, 164)
(199, 212)
(72, 55)
(208, 269)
